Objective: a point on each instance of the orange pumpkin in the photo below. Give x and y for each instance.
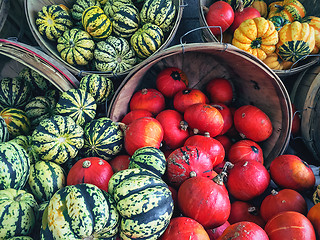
(274, 62)
(292, 10)
(314, 217)
(315, 23)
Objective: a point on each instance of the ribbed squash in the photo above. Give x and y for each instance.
(77, 104)
(4, 132)
(296, 40)
(14, 166)
(315, 23)
(26, 143)
(52, 21)
(159, 12)
(278, 22)
(274, 62)
(144, 201)
(292, 10)
(96, 22)
(21, 238)
(17, 213)
(81, 211)
(146, 40)
(57, 139)
(261, 6)
(79, 6)
(112, 6)
(76, 47)
(114, 55)
(235, 4)
(257, 36)
(100, 87)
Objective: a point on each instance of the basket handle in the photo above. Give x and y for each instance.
(198, 28)
(304, 57)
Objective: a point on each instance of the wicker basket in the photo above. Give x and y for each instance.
(254, 84)
(33, 6)
(312, 8)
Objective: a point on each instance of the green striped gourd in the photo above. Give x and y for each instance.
(52, 21)
(235, 4)
(39, 108)
(278, 22)
(146, 40)
(100, 87)
(96, 23)
(149, 158)
(159, 12)
(45, 179)
(78, 104)
(17, 213)
(76, 47)
(125, 21)
(79, 211)
(102, 138)
(4, 132)
(14, 166)
(14, 92)
(144, 201)
(79, 6)
(112, 6)
(57, 139)
(26, 143)
(17, 122)
(114, 55)
(21, 238)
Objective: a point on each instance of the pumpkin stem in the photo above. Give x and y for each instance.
(279, 7)
(253, 211)
(183, 125)
(144, 91)
(205, 9)
(86, 164)
(122, 126)
(193, 174)
(256, 43)
(219, 179)
(217, 106)
(18, 198)
(206, 134)
(241, 6)
(274, 192)
(195, 131)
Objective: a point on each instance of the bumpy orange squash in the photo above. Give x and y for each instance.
(274, 62)
(315, 23)
(261, 6)
(292, 10)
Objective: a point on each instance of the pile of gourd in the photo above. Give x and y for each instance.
(107, 35)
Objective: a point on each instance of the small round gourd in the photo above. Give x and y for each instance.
(26, 143)
(79, 6)
(112, 6)
(292, 10)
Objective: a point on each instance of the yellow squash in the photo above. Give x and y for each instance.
(315, 23)
(274, 62)
(292, 10)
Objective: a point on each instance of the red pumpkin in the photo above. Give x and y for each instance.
(219, 14)
(143, 132)
(245, 211)
(205, 201)
(289, 171)
(120, 162)
(215, 233)
(171, 80)
(226, 115)
(220, 90)
(212, 146)
(246, 150)
(252, 123)
(92, 170)
(185, 98)
(296, 121)
(290, 225)
(187, 162)
(247, 180)
(244, 231)
(243, 14)
(204, 118)
(314, 217)
(183, 228)
(135, 114)
(174, 127)
(226, 142)
(284, 200)
(147, 99)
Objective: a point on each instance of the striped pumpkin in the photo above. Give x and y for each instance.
(14, 166)
(81, 211)
(79, 6)
(291, 10)
(146, 40)
(144, 201)
(125, 21)
(96, 23)
(17, 122)
(4, 132)
(100, 87)
(45, 179)
(112, 6)
(149, 158)
(114, 55)
(76, 47)
(14, 92)
(26, 143)
(315, 23)
(17, 213)
(57, 139)
(102, 138)
(78, 104)
(159, 12)
(52, 21)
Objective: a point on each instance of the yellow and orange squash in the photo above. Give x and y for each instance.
(292, 10)
(315, 23)
(274, 62)
(261, 6)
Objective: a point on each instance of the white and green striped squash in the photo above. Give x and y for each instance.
(125, 21)
(102, 138)
(76, 47)
(112, 6)
(17, 213)
(20, 238)
(78, 104)
(14, 166)
(79, 6)
(52, 21)
(57, 139)
(45, 179)
(150, 158)
(96, 23)
(114, 55)
(159, 12)
(146, 40)
(26, 143)
(79, 211)
(100, 87)
(144, 202)
(14, 92)
(4, 132)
